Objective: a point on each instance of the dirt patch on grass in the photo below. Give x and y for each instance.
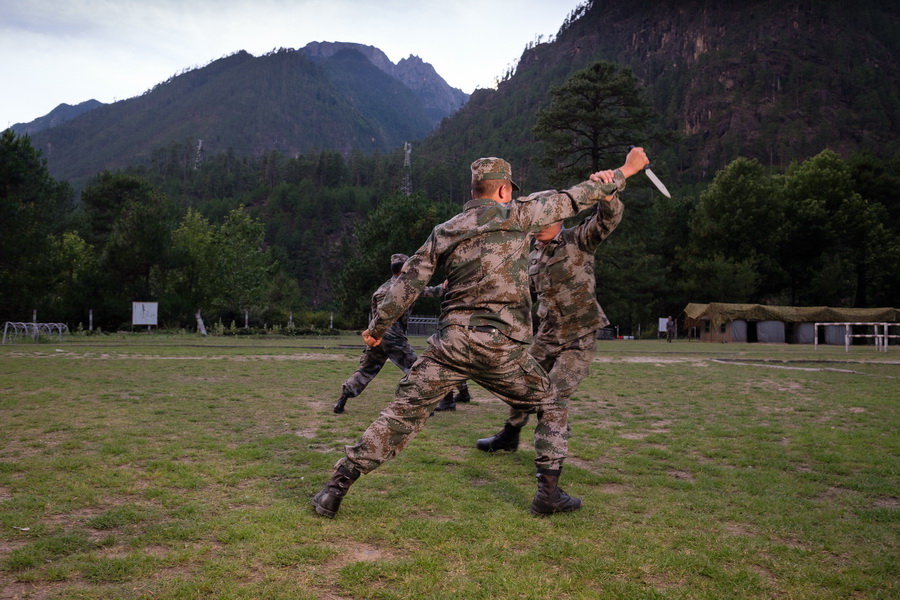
(792, 543)
(7, 546)
(65, 520)
(661, 582)
(835, 492)
(792, 387)
(655, 360)
(795, 389)
(887, 503)
(614, 488)
(770, 365)
(607, 424)
(323, 449)
(764, 572)
(351, 551)
(738, 530)
(582, 464)
(640, 435)
(32, 591)
(681, 475)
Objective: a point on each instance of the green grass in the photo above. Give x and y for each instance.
(171, 467)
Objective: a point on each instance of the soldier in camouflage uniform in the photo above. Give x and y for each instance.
(394, 347)
(561, 274)
(485, 326)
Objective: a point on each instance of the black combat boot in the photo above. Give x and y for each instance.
(339, 406)
(463, 395)
(328, 501)
(550, 498)
(506, 439)
(448, 403)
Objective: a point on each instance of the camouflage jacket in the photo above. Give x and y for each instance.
(484, 253)
(397, 331)
(561, 273)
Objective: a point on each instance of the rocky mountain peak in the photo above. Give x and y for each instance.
(419, 76)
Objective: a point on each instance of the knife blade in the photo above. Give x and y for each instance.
(653, 178)
(659, 184)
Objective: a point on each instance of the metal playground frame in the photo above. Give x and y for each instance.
(12, 330)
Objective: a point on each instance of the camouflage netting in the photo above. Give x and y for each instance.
(719, 313)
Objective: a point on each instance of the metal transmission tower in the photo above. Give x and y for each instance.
(199, 158)
(407, 169)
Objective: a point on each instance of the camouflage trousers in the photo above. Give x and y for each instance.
(372, 360)
(398, 351)
(567, 365)
(455, 354)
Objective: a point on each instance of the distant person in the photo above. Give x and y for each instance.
(671, 329)
(484, 329)
(394, 347)
(561, 275)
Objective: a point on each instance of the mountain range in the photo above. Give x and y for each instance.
(777, 81)
(334, 96)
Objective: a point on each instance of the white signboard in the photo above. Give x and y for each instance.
(143, 313)
(662, 324)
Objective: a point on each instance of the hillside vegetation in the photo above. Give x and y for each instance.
(782, 121)
(284, 101)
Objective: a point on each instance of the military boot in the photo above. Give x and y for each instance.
(506, 439)
(550, 498)
(328, 500)
(339, 406)
(448, 403)
(463, 395)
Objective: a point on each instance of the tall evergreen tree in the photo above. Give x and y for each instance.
(33, 209)
(597, 113)
(130, 224)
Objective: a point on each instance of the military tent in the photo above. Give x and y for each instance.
(723, 322)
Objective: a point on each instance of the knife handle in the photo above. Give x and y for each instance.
(647, 166)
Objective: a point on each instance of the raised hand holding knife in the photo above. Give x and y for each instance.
(655, 180)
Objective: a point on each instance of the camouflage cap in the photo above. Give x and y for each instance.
(492, 168)
(398, 258)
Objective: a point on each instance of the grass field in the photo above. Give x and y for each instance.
(142, 466)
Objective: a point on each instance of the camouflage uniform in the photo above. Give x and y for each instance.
(561, 273)
(394, 346)
(485, 326)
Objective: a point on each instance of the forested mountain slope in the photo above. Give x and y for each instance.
(57, 116)
(284, 101)
(778, 81)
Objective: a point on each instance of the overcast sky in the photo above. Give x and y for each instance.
(69, 51)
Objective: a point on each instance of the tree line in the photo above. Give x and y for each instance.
(269, 240)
